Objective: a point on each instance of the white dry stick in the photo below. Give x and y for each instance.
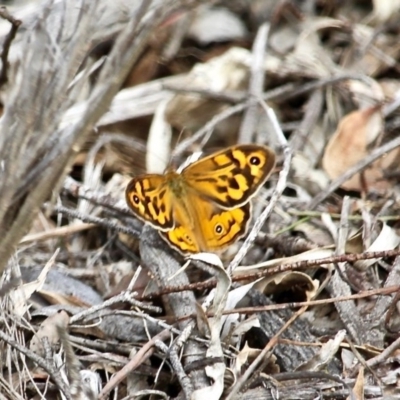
(256, 85)
(280, 187)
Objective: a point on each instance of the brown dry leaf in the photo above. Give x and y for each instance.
(249, 354)
(351, 143)
(358, 390)
(49, 329)
(246, 354)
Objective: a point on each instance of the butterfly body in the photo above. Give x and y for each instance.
(206, 206)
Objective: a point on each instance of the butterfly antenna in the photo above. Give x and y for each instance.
(174, 154)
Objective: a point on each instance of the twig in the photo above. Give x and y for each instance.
(282, 93)
(313, 111)
(307, 87)
(262, 356)
(385, 354)
(98, 198)
(141, 356)
(47, 366)
(284, 306)
(305, 264)
(207, 129)
(114, 226)
(184, 380)
(15, 24)
(228, 96)
(55, 233)
(279, 94)
(122, 297)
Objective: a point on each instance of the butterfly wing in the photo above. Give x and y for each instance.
(232, 176)
(216, 228)
(207, 206)
(149, 198)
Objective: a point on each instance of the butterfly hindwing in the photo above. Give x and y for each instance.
(221, 229)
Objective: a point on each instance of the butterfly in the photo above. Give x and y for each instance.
(206, 206)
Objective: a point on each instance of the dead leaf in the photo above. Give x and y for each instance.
(216, 24)
(386, 240)
(22, 294)
(351, 143)
(325, 354)
(358, 390)
(385, 9)
(229, 71)
(49, 329)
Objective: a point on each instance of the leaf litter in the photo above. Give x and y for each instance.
(89, 309)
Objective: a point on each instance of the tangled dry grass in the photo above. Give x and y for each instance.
(96, 305)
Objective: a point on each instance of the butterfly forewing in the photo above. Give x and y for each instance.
(149, 198)
(231, 177)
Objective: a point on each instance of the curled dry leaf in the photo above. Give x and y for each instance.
(325, 355)
(22, 293)
(351, 143)
(232, 320)
(229, 71)
(309, 57)
(287, 281)
(378, 52)
(216, 24)
(59, 288)
(385, 9)
(386, 240)
(315, 231)
(313, 254)
(159, 142)
(249, 354)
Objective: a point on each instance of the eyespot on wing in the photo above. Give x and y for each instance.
(149, 199)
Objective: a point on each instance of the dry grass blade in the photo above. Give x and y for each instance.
(33, 138)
